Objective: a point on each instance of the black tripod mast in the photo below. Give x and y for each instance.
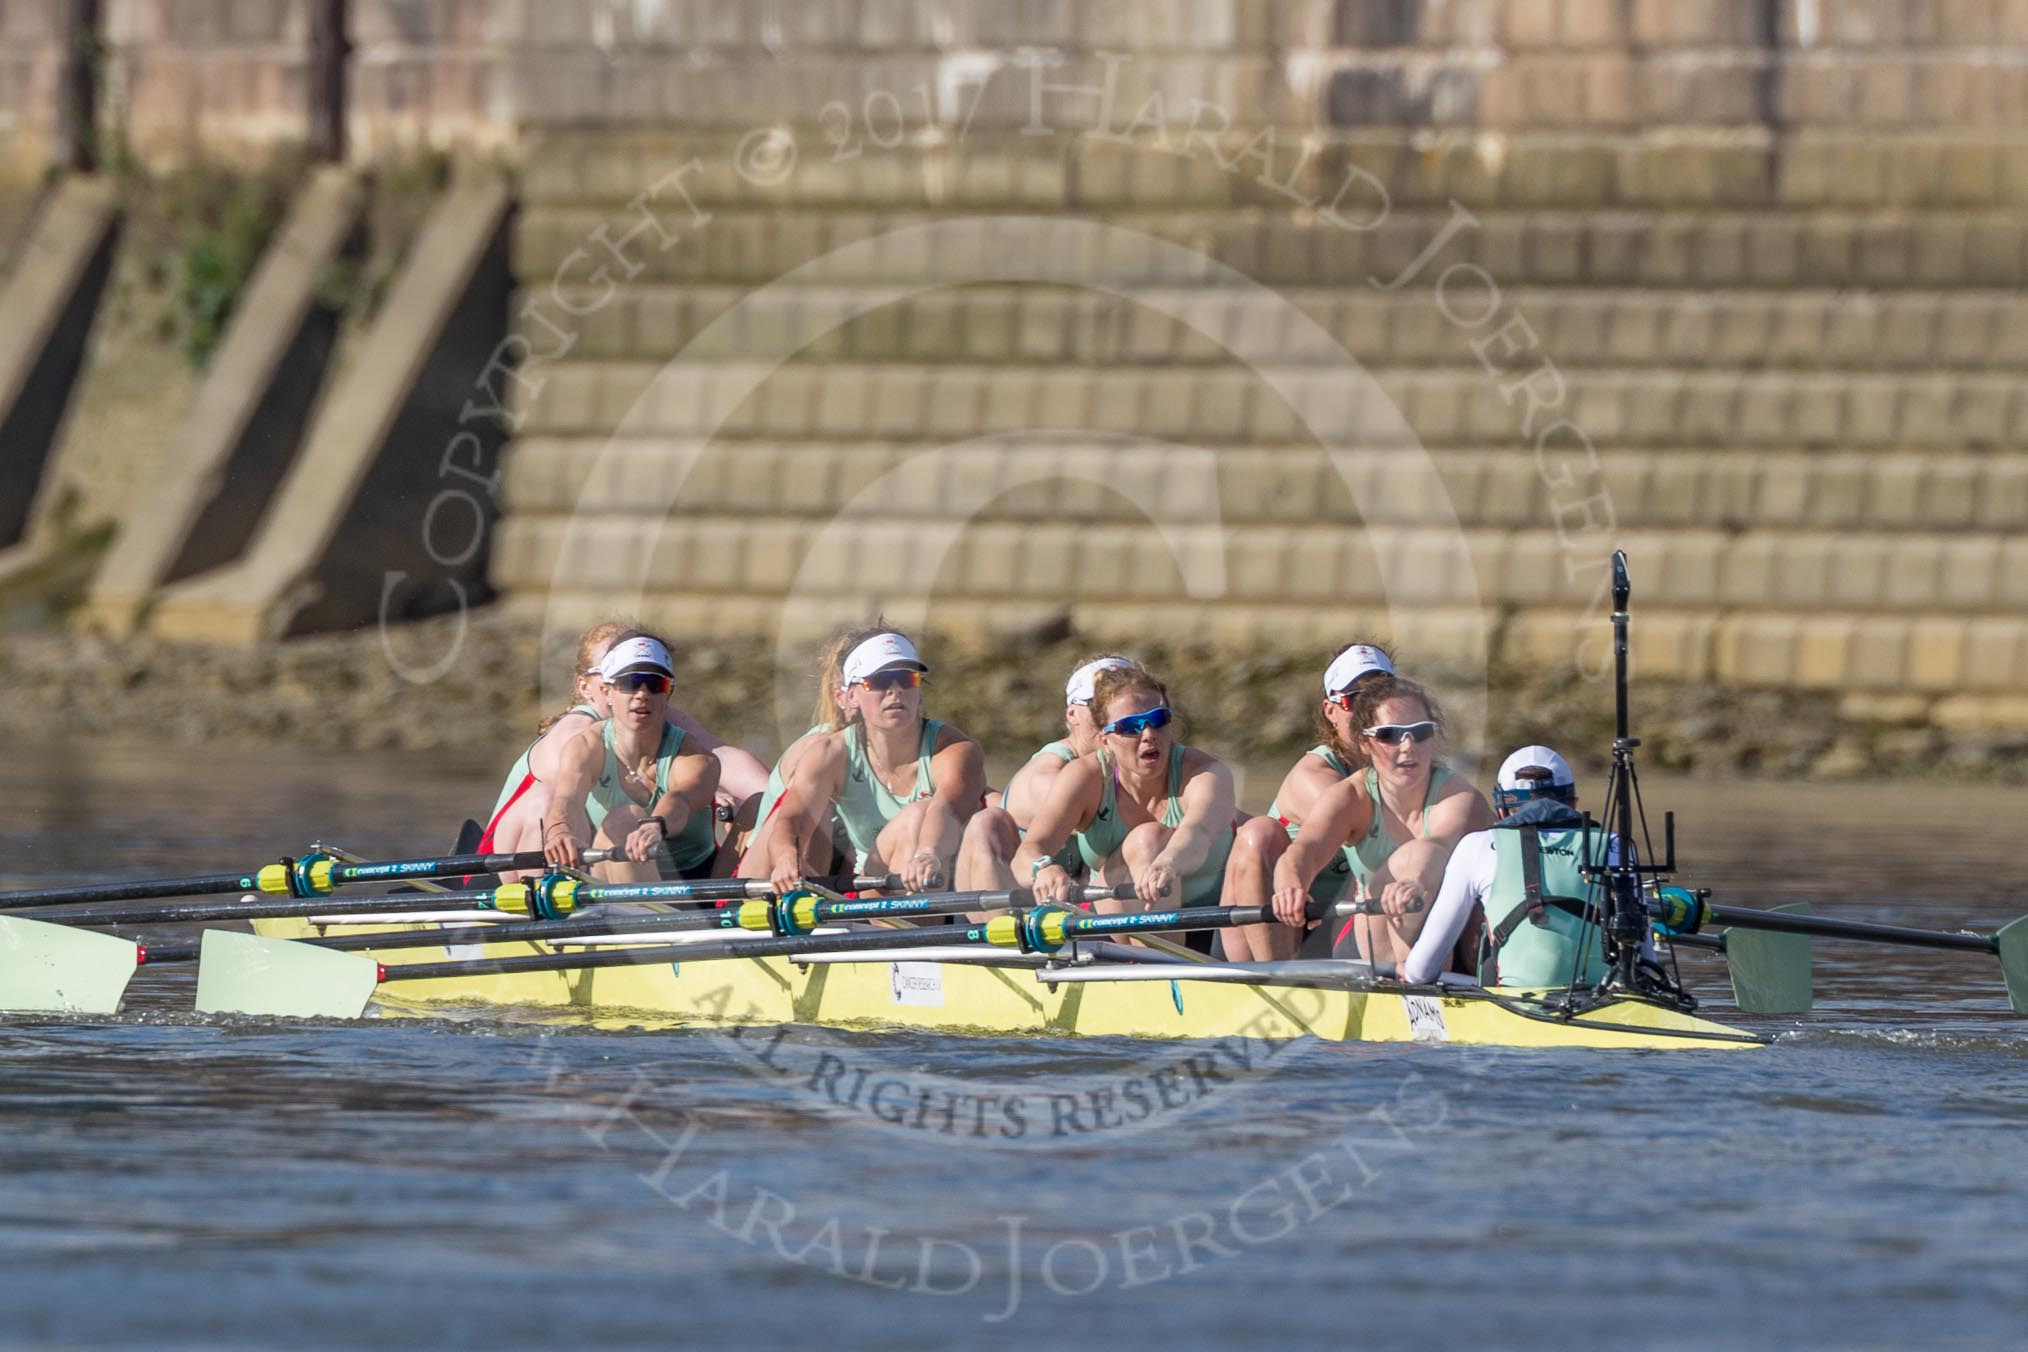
(1628, 923)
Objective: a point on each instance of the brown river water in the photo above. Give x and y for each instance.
(491, 1180)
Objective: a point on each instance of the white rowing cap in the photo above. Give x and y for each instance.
(878, 654)
(1082, 684)
(640, 653)
(1361, 659)
(1535, 758)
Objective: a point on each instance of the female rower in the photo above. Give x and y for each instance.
(1395, 825)
(1262, 841)
(1145, 809)
(516, 824)
(903, 785)
(635, 781)
(994, 834)
(820, 856)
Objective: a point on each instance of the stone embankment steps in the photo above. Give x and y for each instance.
(1797, 329)
(1888, 250)
(841, 161)
(1775, 255)
(1260, 562)
(1923, 493)
(1445, 406)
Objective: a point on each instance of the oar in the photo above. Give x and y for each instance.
(49, 967)
(308, 876)
(549, 897)
(257, 908)
(1770, 973)
(2010, 944)
(276, 977)
(799, 913)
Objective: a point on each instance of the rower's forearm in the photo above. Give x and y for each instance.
(1188, 848)
(785, 849)
(942, 832)
(576, 825)
(1297, 868)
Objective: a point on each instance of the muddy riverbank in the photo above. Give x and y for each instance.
(350, 691)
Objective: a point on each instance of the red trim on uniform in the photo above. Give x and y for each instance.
(740, 863)
(485, 845)
(1343, 932)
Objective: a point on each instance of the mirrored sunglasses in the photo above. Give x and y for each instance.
(1133, 725)
(629, 681)
(893, 680)
(1387, 734)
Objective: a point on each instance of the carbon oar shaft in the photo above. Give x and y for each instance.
(989, 933)
(197, 912)
(278, 879)
(492, 899)
(1748, 918)
(932, 904)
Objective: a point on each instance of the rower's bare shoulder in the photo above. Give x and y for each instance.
(822, 748)
(586, 740)
(581, 751)
(1311, 771)
(1460, 805)
(1038, 771)
(1346, 794)
(1304, 784)
(568, 727)
(1457, 786)
(950, 735)
(1085, 775)
(693, 731)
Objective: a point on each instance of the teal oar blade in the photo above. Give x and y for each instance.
(1770, 971)
(54, 968)
(247, 974)
(2012, 944)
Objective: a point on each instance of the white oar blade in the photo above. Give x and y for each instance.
(247, 974)
(1770, 971)
(59, 969)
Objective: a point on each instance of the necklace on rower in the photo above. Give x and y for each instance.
(881, 772)
(630, 769)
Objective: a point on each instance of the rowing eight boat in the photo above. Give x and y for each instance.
(1085, 990)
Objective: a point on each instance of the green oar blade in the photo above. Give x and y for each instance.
(1770, 971)
(2012, 943)
(57, 969)
(247, 974)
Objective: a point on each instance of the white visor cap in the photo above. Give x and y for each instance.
(878, 654)
(1082, 684)
(1535, 758)
(1358, 660)
(636, 654)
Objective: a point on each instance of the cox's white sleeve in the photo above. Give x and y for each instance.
(1467, 879)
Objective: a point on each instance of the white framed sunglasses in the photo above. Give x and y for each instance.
(1388, 734)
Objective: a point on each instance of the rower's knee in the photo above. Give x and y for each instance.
(1143, 843)
(1259, 842)
(992, 829)
(898, 839)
